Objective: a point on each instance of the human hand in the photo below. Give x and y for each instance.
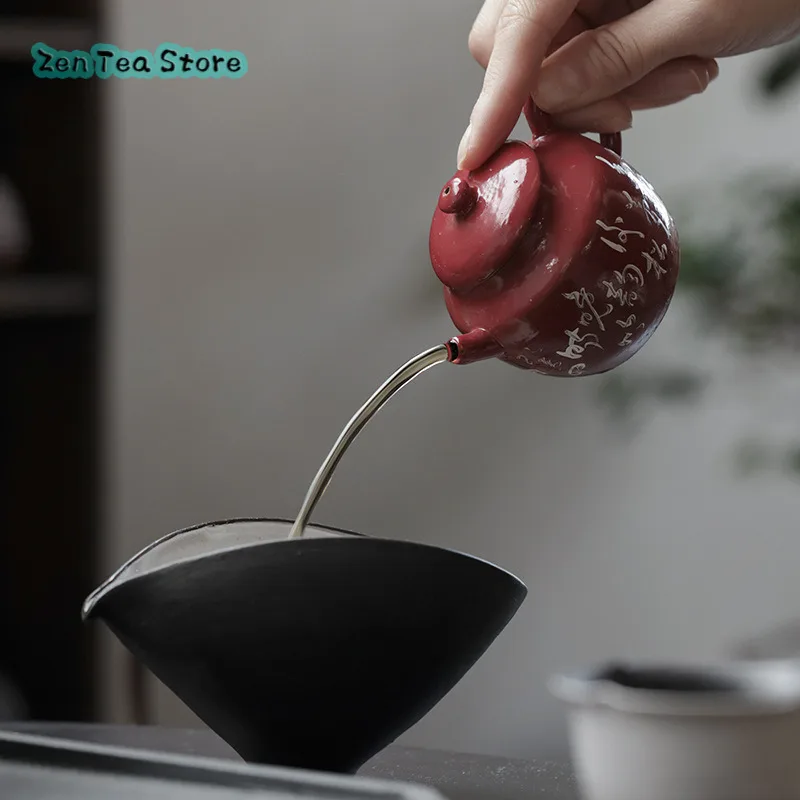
(591, 63)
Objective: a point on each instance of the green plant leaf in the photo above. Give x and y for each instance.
(623, 395)
(782, 73)
(751, 456)
(792, 460)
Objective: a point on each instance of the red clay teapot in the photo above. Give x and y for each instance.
(556, 256)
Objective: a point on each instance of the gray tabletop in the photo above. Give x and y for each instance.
(457, 776)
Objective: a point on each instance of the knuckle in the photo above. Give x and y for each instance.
(517, 12)
(615, 53)
(713, 26)
(702, 14)
(525, 15)
(480, 45)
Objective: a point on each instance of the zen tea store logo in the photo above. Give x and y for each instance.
(107, 61)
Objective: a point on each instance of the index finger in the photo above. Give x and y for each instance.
(524, 32)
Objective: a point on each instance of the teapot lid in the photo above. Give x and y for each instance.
(481, 216)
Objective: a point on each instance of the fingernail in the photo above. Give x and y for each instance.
(463, 147)
(713, 71)
(557, 87)
(682, 84)
(685, 83)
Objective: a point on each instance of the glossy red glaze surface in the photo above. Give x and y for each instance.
(556, 256)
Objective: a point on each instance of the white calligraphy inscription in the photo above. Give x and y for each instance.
(546, 362)
(577, 344)
(630, 322)
(645, 189)
(655, 259)
(622, 235)
(626, 284)
(630, 204)
(585, 301)
(619, 289)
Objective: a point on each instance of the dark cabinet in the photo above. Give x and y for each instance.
(50, 315)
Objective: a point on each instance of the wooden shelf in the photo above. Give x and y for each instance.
(45, 296)
(17, 36)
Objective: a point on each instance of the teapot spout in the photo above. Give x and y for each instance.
(477, 345)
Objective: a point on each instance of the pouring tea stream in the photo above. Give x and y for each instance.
(555, 256)
(409, 371)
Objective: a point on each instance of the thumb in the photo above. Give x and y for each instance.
(600, 63)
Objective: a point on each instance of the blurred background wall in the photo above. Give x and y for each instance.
(267, 268)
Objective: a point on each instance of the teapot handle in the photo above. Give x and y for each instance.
(541, 123)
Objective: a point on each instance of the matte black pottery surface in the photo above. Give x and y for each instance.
(314, 652)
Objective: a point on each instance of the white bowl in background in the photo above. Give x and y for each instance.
(713, 732)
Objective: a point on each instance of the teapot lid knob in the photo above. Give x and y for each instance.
(482, 215)
(457, 197)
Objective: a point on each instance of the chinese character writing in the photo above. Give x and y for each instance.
(577, 344)
(546, 362)
(622, 235)
(655, 259)
(652, 217)
(617, 290)
(585, 300)
(626, 323)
